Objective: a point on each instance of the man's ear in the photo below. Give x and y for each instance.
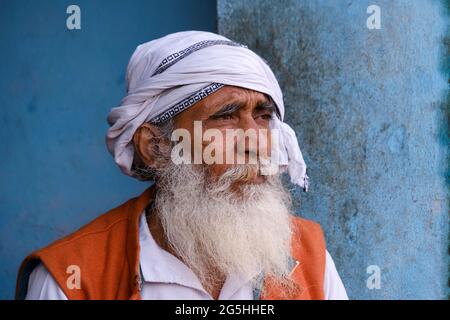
(151, 146)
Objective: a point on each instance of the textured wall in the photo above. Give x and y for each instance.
(369, 109)
(56, 89)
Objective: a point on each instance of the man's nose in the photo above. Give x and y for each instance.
(255, 139)
(248, 123)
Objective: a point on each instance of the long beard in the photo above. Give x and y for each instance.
(214, 229)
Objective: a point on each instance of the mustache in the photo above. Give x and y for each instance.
(249, 171)
(241, 172)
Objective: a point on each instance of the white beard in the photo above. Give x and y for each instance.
(207, 224)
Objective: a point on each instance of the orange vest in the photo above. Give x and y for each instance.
(107, 253)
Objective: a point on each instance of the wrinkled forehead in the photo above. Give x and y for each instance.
(237, 95)
(217, 95)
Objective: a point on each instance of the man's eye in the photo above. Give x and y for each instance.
(223, 117)
(265, 116)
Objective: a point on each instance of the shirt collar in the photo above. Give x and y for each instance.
(158, 265)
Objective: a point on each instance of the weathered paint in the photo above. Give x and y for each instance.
(369, 108)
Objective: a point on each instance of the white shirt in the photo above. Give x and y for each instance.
(167, 277)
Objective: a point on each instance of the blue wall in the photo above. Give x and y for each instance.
(369, 108)
(56, 89)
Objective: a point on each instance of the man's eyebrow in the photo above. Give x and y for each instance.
(227, 109)
(265, 105)
(232, 107)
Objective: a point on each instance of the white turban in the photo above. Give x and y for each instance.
(167, 75)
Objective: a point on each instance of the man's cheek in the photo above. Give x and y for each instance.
(219, 151)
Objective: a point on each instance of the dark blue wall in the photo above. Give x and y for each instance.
(56, 88)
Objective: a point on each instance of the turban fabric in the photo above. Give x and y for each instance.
(168, 75)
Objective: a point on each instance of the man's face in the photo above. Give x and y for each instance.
(232, 108)
(239, 223)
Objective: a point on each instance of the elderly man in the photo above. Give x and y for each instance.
(202, 230)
